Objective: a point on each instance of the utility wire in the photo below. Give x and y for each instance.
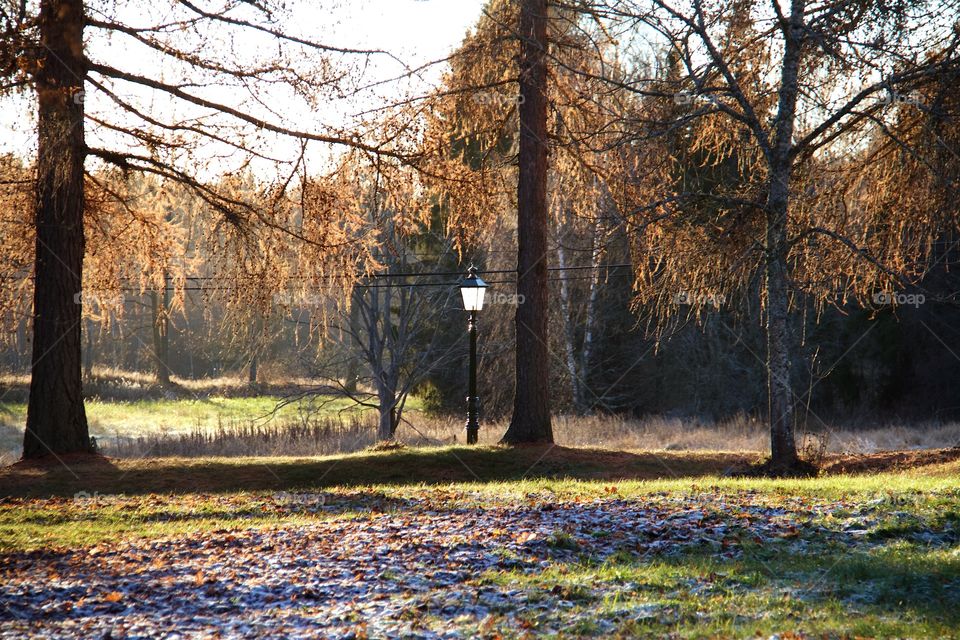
(412, 274)
(426, 274)
(369, 286)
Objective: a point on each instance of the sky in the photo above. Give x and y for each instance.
(413, 31)
(426, 28)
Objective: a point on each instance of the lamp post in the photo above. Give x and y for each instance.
(472, 289)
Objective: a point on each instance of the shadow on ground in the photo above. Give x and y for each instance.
(65, 476)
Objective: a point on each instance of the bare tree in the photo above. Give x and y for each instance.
(382, 342)
(395, 339)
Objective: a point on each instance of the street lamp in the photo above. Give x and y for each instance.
(472, 289)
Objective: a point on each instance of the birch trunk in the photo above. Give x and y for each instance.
(570, 348)
(586, 356)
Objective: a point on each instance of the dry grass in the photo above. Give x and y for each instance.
(113, 384)
(326, 435)
(743, 433)
(314, 437)
(663, 433)
(133, 417)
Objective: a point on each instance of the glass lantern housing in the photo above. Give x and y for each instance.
(472, 289)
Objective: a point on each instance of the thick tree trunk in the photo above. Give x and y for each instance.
(56, 421)
(252, 371)
(531, 404)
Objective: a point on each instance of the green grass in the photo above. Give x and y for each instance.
(900, 590)
(79, 523)
(146, 417)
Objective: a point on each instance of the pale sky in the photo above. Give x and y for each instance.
(414, 31)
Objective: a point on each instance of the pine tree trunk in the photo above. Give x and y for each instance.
(531, 404)
(56, 421)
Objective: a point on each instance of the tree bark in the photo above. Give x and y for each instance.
(783, 450)
(56, 421)
(531, 404)
(569, 333)
(586, 358)
(387, 399)
(161, 335)
(88, 351)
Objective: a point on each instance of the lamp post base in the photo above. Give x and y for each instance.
(473, 419)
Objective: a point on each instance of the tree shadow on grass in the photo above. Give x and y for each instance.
(432, 466)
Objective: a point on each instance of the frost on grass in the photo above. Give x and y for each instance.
(441, 565)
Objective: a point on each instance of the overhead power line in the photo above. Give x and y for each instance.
(410, 274)
(394, 285)
(426, 274)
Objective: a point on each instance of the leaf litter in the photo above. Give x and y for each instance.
(403, 567)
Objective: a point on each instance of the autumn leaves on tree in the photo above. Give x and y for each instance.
(793, 153)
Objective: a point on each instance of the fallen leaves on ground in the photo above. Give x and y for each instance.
(369, 566)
